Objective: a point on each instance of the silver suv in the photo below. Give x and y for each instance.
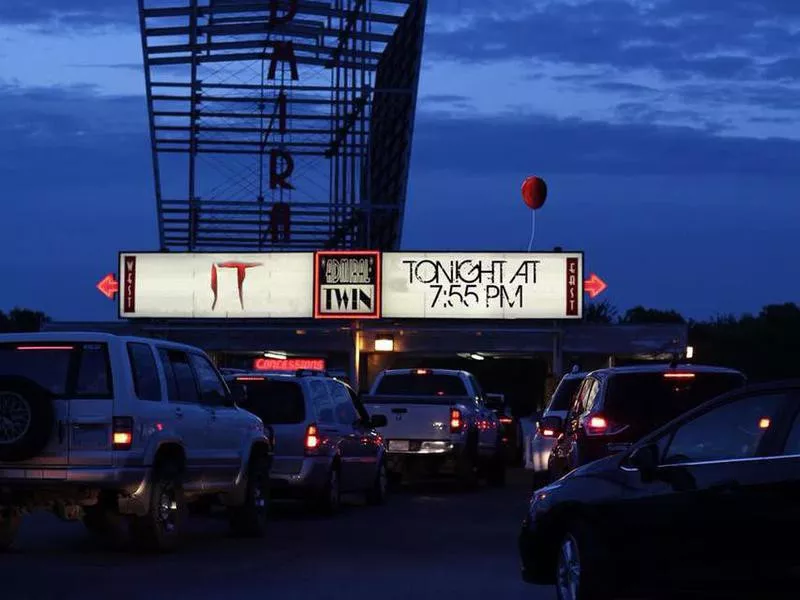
(326, 443)
(123, 433)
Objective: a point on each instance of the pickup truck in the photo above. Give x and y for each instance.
(438, 423)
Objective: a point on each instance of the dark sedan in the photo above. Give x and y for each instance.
(710, 501)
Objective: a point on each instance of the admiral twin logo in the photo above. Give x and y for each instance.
(347, 285)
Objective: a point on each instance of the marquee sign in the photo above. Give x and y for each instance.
(353, 285)
(483, 285)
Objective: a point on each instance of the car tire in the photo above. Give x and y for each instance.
(161, 529)
(250, 519)
(496, 475)
(9, 526)
(30, 418)
(330, 499)
(580, 567)
(468, 469)
(380, 487)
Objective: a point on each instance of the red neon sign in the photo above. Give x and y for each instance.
(290, 364)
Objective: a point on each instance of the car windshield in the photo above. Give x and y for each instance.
(53, 364)
(426, 384)
(275, 402)
(653, 399)
(562, 397)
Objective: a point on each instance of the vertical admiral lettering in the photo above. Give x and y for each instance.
(347, 285)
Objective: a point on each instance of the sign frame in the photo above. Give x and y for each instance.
(377, 255)
(577, 289)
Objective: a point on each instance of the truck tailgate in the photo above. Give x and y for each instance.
(420, 418)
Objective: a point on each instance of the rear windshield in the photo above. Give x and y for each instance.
(62, 368)
(651, 399)
(275, 402)
(565, 392)
(414, 384)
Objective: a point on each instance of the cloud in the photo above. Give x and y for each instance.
(518, 143)
(76, 14)
(679, 39)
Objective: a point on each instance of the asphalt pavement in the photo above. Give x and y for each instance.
(431, 541)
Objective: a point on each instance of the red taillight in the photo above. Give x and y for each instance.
(599, 425)
(251, 378)
(455, 421)
(45, 348)
(506, 420)
(312, 437)
(422, 371)
(122, 433)
(678, 375)
(547, 432)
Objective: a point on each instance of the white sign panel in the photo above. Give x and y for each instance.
(483, 285)
(216, 286)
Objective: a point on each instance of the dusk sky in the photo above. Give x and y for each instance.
(668, 132)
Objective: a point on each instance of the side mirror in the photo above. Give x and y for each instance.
(238, 394)
(378, 421)
(645, 459)
(552, 423)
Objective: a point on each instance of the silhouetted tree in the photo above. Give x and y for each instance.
(21, 320)
(600, 312)
(640, 314)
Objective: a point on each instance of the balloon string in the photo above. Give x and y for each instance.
(533, 229)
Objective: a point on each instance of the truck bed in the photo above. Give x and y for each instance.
(415, 417)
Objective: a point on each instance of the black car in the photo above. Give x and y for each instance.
(616, 407)
(710, 501)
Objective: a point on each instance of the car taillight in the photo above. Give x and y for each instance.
(122, 433)
(547, 432)
(599, 425)
(312, 438)
(506, 420)
(455, 421)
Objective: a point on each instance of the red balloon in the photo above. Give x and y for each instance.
(534, 192)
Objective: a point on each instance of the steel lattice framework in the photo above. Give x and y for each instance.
(281, 124)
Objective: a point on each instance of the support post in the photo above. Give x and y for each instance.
(355, 356)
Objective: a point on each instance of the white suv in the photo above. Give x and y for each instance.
(123, 433)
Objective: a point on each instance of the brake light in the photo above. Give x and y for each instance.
(251, 378)
(678, 375)
(51, 348)
(312, 437)
(455, 421)
(122, 433)
(422, 372)
(599, 425)
(506, 420)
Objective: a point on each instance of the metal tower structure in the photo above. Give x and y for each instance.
(281, 124)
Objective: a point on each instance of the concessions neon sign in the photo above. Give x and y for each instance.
(290, 364)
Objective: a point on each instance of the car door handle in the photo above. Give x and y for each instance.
(179, 413)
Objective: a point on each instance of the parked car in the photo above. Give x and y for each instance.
(326, 443)
(109, 430)
(539, 445)
(706, 503)
(616, 407)
(438, 423)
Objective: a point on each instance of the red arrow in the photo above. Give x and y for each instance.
(109, 286)
(594, 286)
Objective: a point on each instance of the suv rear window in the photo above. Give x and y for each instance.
(63, 368)
(275, 402)
(565, 392)
(428, 384)
(653, 399)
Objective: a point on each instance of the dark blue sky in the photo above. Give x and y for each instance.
(668, 131)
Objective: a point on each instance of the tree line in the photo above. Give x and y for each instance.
(765, 346)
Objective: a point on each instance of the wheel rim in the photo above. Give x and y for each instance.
(168, 509)
(569, 569)
(15, 417)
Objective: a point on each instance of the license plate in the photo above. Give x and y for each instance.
(398, 445)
